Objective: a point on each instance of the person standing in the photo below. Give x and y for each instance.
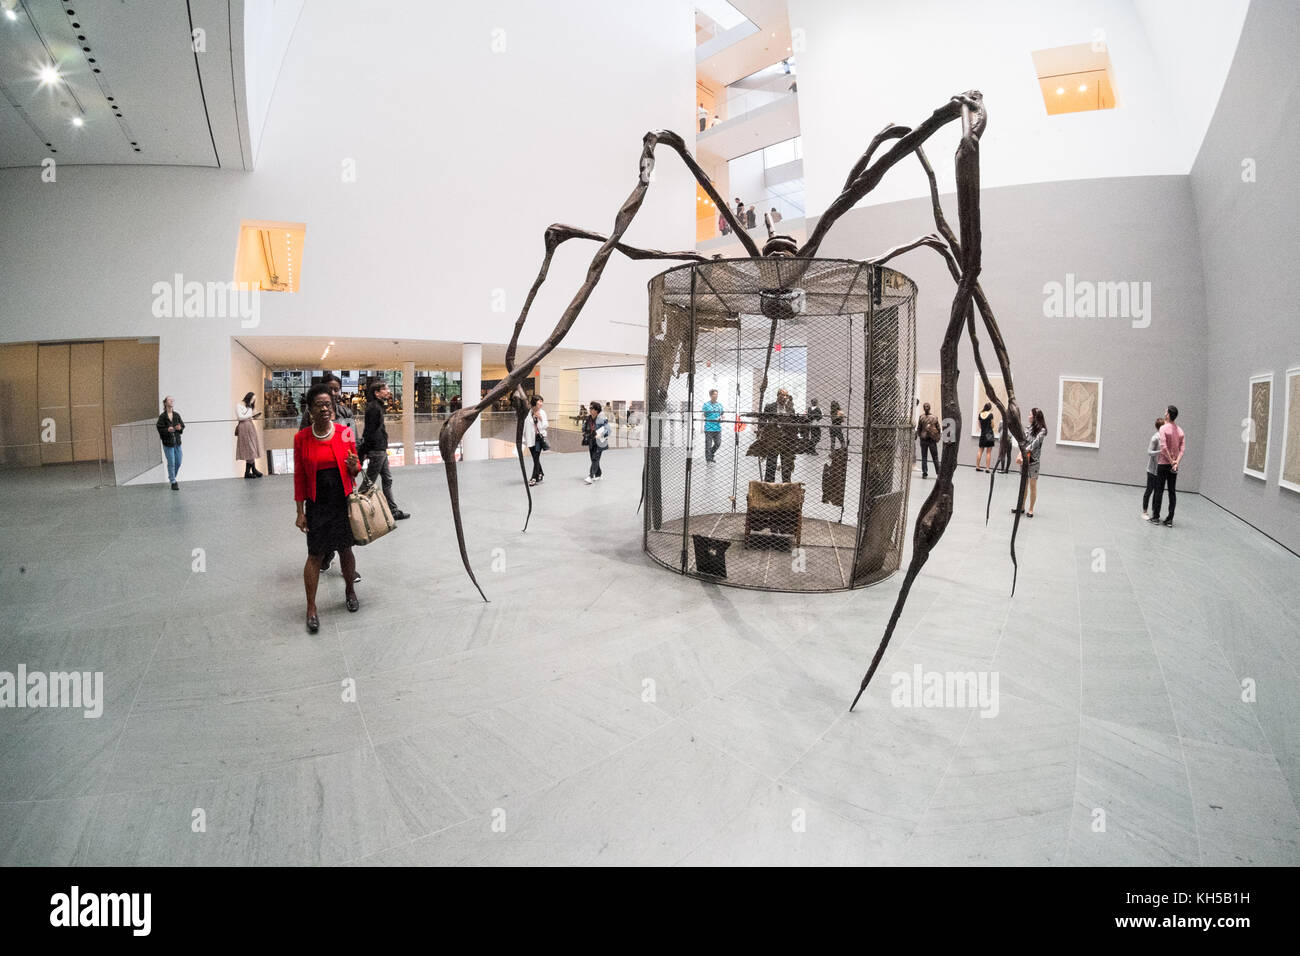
(1034, 453)
(170, 425)
(703, 114)
(775, 216)
(374, 443)
(325, 464)
(751, 217)
(837, 426)
(712, 426)
(1153, 453)
(814, 431)
(928, 432)
(535, 425)
(248, 447)
(740, 213)
(598, 434)
(724, 227)
(1004, 447)
(778, 437)
(1173, 443)
(987, 441)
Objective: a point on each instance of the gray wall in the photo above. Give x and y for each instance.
(1105, 230)
(1250, 250)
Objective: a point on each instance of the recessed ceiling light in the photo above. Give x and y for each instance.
(78, 121)
(1060, 91)
(1083, 87)
(48, 74)
(11, 15)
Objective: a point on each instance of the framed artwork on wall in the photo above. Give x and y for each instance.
(1256, 426)
(1079, 402)
(1290, 477)
(981, 396)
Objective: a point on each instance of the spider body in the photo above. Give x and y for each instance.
(961, 251)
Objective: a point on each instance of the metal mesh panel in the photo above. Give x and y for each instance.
(795, 479)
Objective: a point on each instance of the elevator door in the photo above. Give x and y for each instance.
(53, 402)
(70, 400)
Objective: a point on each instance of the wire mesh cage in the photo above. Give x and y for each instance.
(794, 475)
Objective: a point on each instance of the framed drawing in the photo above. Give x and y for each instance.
(927, 390)
(1080, 412)
(1290, 477)
(1255, 427)
(981, 396)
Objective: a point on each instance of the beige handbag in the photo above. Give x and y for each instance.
(368, 513)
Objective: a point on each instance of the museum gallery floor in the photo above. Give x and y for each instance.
(603, 710)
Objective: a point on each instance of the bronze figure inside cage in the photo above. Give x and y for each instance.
(778, 444)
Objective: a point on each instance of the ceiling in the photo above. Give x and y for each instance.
(147, 88)
(769, 45)
(288, 351)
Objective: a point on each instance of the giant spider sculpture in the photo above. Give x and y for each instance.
(961, 253)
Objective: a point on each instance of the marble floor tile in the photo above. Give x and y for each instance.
(598, 708)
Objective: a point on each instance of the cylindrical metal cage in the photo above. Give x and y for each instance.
(796, 477)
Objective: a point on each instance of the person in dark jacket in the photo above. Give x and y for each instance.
(170, 426)
(815, 432)
(374, 443)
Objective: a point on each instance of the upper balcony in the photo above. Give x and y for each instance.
(760, 110)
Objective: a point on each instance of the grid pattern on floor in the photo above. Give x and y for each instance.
(606, 711)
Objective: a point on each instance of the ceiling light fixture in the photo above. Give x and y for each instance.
(78, 122)
(1083, 87)
(48, 75)
(1060, 91)
(11, 15)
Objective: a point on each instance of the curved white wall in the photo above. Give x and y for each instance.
(868, 64)
(463, 155)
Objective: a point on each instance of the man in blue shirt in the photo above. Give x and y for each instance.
(712, 425)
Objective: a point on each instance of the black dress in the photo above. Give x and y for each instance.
(328, 528)
(986, 431)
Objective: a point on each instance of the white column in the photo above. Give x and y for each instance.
(472, 445)
(408, 413)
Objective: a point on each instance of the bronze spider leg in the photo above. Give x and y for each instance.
(459, 422)
(1011, 412)
(936, 511)
(555, 235)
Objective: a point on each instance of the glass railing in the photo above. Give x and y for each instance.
(788, 206)
(746, 99)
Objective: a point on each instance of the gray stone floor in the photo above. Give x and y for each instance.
(603, 710)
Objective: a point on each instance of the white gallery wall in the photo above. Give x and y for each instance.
(864, 65)
(426, 147)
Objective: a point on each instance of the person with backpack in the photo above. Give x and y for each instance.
(928, 432)
(596, 438)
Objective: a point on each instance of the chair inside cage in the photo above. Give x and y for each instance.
(780, 413)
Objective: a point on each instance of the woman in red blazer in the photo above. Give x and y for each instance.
(324, 464)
